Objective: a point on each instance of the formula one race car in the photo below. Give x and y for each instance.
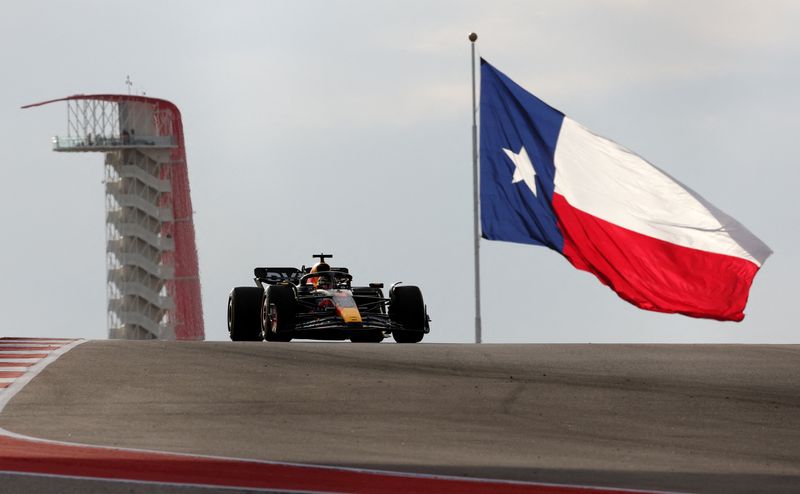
(319, 303)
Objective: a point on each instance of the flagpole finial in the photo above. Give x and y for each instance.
(473, 37)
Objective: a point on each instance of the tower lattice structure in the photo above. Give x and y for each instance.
(153, 274)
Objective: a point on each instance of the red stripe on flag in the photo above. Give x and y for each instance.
(13, 374)
(5, 385)
(653, 274)
(14, 364)
(22, 355)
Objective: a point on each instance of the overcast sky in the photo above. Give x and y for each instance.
(344, 126)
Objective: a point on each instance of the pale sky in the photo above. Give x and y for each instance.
(344, 127)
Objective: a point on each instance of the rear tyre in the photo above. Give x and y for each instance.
(243, 314)
(407, 308)
(278, 313)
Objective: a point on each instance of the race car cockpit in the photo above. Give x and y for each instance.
(326, 280)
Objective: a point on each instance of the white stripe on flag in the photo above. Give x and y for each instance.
(606, 180)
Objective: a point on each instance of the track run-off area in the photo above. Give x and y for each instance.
(337, 417)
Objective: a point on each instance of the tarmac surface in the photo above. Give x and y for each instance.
(696, 418)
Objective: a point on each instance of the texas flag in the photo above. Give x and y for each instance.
(547, 180)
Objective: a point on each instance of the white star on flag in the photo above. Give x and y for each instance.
(524, 168)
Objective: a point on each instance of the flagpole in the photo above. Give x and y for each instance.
(476, 234)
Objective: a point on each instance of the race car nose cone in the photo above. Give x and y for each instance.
(350, 315)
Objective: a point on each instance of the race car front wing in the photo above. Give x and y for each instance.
(369, 322)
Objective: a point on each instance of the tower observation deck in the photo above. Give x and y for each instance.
(153, 279)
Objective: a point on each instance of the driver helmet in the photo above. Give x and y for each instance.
(320, 267)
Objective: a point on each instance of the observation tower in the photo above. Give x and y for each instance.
(153, 277)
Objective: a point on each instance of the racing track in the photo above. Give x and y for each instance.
(702, 418)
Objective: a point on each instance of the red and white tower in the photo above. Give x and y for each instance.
(153, 275)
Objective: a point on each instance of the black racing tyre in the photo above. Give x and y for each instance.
(244, 310)
(278, 313)
(403, 336)
(406, 307)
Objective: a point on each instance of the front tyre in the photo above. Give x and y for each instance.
(243, 314)
(278, 311)
(407, 308)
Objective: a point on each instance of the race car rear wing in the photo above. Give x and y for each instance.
(272, 276)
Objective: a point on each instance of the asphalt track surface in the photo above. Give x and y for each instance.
(699, 418)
